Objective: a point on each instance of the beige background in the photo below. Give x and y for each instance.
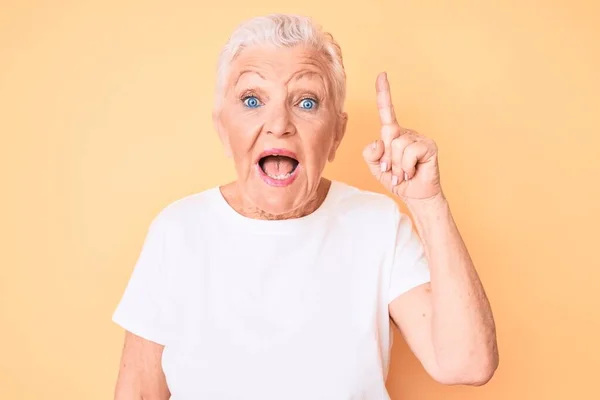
(105, 119)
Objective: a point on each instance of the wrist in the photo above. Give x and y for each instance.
(427, 206)
(429, 213)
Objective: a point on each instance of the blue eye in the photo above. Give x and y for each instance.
(308, 104)
(251, 102)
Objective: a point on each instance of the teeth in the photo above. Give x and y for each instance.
(279, 177)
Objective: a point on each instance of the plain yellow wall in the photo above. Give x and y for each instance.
(105, 118)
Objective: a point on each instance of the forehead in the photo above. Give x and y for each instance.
(279, 63)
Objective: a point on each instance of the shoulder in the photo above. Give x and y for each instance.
(187, 210)
(364, 205)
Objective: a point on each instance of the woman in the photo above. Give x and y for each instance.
(281, 285)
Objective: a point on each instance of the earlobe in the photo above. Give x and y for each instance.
(339, 135)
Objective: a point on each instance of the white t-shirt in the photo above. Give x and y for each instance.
(268, 310)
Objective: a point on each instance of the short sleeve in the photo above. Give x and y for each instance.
(141, 309)
(409, 263)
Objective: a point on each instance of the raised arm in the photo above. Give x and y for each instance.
(448, 322)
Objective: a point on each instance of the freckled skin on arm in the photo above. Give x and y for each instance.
(140, 374)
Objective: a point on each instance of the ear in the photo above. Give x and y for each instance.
(218, 124)
(340, 131)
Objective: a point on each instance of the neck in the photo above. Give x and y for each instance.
(233, 195)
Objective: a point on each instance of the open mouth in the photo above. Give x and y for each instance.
(278, 166)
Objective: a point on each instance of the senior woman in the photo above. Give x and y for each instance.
(283, 284)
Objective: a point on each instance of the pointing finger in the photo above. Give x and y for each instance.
(384, 100)
(390, 128)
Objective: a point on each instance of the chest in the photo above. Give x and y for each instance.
(276, 284)
(276, 312)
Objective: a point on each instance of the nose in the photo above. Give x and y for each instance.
(279, 121)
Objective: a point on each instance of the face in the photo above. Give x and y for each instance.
(279, 123)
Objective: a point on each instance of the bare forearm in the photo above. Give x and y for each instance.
(463, 330)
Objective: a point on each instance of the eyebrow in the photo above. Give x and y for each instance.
(306, 73)
(296, 77)
(247, 71)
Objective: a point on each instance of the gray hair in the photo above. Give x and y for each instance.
(284, 30)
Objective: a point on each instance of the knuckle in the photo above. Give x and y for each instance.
(400, 142)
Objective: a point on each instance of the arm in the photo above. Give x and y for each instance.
(140, 375)
(448, 323)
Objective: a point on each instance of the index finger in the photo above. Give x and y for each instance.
(384, 100)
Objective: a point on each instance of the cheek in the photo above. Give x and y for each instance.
(241, 131)
(317, 143)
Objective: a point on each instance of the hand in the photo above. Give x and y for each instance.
(405, 162)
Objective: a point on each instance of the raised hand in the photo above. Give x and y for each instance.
(404, 161)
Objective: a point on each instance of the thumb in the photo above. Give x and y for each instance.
(372, 154)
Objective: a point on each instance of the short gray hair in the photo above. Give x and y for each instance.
(284, 30)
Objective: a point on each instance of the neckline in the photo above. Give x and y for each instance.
(273, 226)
